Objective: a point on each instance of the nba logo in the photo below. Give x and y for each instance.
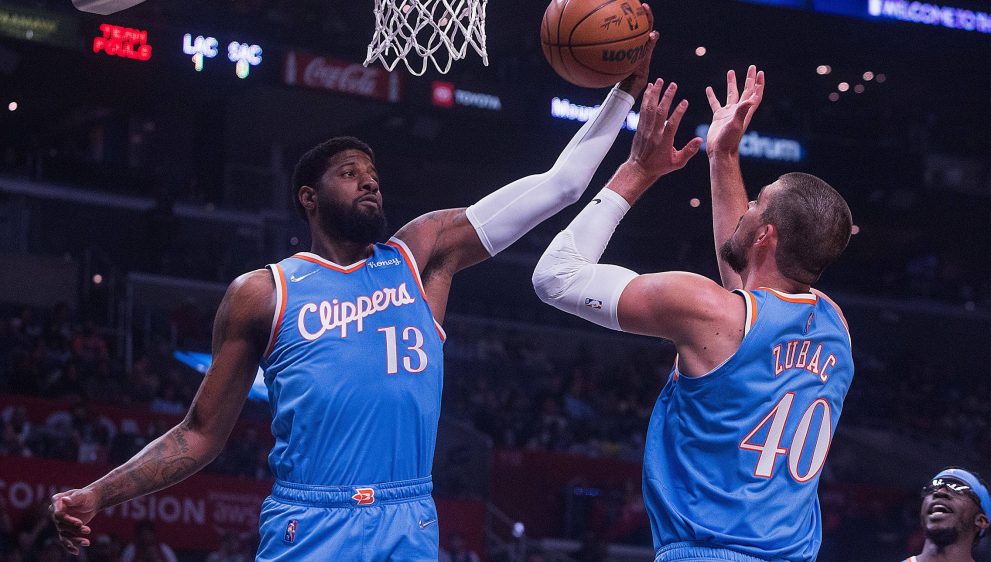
(291, 531)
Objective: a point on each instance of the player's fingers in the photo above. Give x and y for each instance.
(648, 108)
(710, 94)
(687, 152)
(664, 107)
(750, 82)
(732, 94)
(673, 122)
(649, 52)
(62, 517)
(759, 88)
(744, 106)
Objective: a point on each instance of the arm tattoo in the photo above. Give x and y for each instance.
(164, 462)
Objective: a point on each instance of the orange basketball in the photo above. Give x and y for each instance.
(594, 43)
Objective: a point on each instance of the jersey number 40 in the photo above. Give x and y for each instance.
(771, 447)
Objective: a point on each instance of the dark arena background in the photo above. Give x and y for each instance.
(134, 188)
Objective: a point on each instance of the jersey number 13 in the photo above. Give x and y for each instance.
(414, 358)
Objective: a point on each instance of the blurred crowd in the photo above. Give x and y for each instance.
(508, 383)
(504, 382)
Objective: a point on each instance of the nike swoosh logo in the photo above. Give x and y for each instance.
(295, 279)
(596, 201)
(425, 524)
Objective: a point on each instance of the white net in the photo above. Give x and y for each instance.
(424, 32)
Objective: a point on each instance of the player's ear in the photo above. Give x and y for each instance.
(765, 234)
(307, 197)
(981, 521)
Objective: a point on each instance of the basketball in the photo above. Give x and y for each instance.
(594, 43)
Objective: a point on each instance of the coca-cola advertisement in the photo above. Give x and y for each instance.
(305, 69)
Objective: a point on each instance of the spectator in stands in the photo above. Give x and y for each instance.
(10, 442)
(105, 548)
(231, 550)
(146, 547)
(954, 514)
(7, 542)
(459, 550)
(167, 401)
(89, 348)
(35, 529)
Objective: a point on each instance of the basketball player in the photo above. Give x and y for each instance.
(954, 515)
(741, 430)
(349, 336)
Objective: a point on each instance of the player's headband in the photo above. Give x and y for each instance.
(976, 487)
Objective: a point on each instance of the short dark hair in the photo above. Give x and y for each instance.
(313, 164)
(813, 223)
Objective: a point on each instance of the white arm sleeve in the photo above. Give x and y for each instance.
(568, 276)
(504, 216)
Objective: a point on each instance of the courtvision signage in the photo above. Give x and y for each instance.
(446, 94)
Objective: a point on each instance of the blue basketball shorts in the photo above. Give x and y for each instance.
(377, 522)
(699, 552)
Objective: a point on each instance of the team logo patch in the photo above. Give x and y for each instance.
(364, 496)
(290, 536)
(808, 324)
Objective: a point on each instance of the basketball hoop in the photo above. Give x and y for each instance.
(436, 31)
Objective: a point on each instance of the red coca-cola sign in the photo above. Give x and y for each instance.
(326, 73)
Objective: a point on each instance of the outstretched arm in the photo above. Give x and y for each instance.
(729, 195)
(240, 334)
(445, 242)
(568, 275)
(686, 308)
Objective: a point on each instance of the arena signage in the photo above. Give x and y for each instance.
(446, 94)
(203, 47)
(562, 108)
(244, 56)
(926, 13)
(756, 145)
(38, 25)
(930, 14)
(334, 75)
(125, 42)
(200, 48)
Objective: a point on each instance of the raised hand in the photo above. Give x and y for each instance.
(653, 153)
(634, 83)
(730, 121)
(72, 511)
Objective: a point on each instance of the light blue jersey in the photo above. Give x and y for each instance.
(354, 372)
(733, 458)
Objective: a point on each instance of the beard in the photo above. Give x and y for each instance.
(943, 536)
(351, 222)
(735, 259)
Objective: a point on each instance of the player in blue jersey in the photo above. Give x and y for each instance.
(739, 434)
(954, 516)
(349, 336)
